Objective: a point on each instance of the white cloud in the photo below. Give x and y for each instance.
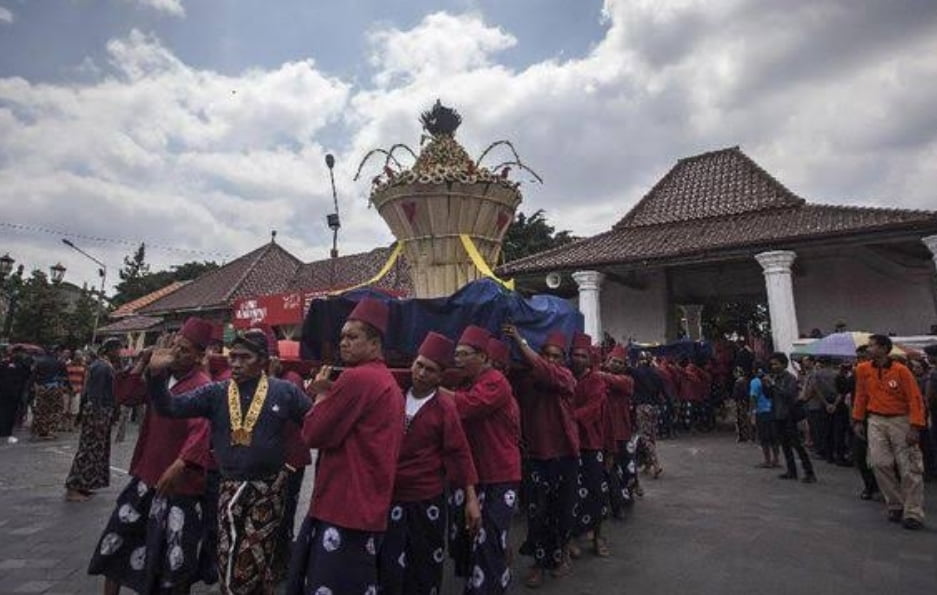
(5, 15)
(171, 7)
(156, 149)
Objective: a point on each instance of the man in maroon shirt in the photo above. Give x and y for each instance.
(153, 538)
(491, 420)
(546, 396)
(435, 451)
(357, 423)
(623, 474)
(595, 442)
(499, 354)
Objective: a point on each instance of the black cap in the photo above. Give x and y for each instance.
(254, 340)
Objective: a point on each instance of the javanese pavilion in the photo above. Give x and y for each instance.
(718, 229)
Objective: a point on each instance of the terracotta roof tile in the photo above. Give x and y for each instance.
(715, 184)
(346, 271)
(720, 200)
(266, 270)
(129, 324)
(132, 306)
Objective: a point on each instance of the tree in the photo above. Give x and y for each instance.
(79, 323)
(530, 235)
(40, 312)
(132, 275)
(137, 280)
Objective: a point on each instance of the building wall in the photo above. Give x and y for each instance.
(864, 290)
(640, 314)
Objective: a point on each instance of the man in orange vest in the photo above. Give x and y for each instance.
(888, 396)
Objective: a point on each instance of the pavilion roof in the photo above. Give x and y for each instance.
(129, 324)
(266, 270)
(132, 306)
(716, 201)
(345, 271)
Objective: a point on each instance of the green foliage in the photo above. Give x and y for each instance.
(531, 234)
(39, 316)
(79, 323)
(137, 280)
(746, 318)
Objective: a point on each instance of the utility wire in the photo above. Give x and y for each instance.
(163, 247)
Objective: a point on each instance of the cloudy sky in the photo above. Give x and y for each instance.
(200, 125)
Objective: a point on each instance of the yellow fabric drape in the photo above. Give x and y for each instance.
(480, 263)
(391, 260)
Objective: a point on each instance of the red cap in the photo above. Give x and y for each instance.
(273, 347)
(618, 352)
(475, 336)
(373, 312)
(556, 339)
(437, 348)
(582, 341)
(197, 331)
(498, 351)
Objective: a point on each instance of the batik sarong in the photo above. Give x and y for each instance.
(551, 510)
(332, 560)
(151, 543)
(484, 561)
(647, 418)
(47, 410)
(591, 492)
(410, 561)
(91, 466)
(250, 516)
(622, 477)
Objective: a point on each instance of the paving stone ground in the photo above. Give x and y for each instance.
(712, 524)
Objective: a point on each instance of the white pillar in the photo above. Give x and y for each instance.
(693, 314)
(590, 290)
(931, 243)
(777, 269)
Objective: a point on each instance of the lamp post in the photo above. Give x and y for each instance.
(102, 272)
(56, 273)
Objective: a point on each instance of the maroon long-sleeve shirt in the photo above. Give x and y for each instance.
(162, 440)
(591, 413)
(434, 451)
(620, 390)
(491, 420)
(546, 396)
(358, 430)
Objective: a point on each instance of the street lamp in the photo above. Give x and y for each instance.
(102, 272)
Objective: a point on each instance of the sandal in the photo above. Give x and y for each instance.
(657, 472)
(534, 578)
(601, 547)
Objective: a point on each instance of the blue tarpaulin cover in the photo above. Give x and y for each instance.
(483, 303)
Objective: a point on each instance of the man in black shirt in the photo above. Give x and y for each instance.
(781, 386)
(648, 396)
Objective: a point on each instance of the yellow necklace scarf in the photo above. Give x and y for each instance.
(242, 429)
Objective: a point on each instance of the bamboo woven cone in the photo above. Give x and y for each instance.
(444, 195)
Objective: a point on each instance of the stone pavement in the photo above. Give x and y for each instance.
(712, 524)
